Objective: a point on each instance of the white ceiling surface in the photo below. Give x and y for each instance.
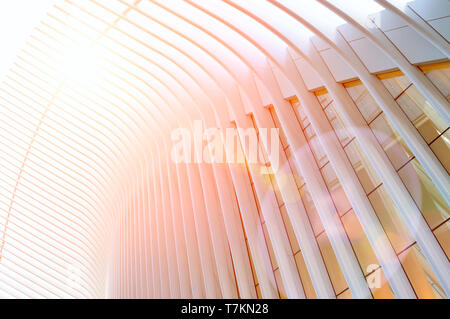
(17, 20)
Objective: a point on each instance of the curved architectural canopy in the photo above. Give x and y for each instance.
(228, 149)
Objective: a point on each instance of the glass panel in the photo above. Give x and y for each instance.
(333, 268)
(280, 285)
(366, 174)
(391, 220)
(337, 192)
(304, 275)
(324, 99)
(316, 147)
(360, 243)
(366, 104)
(392, 143)
(421, 114)
(430, 202)
(283, 138)
(298, 109)
(441, 79)
(345, 295)
(396, 85)
(441, 147)
(442, 234)
(338, 124)
(314, 218)
(270, 180)
(420, 274)
(252, 266)
(289, 230)
(379, 286)
(258, 205)
(273, 260)
(292, 163)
